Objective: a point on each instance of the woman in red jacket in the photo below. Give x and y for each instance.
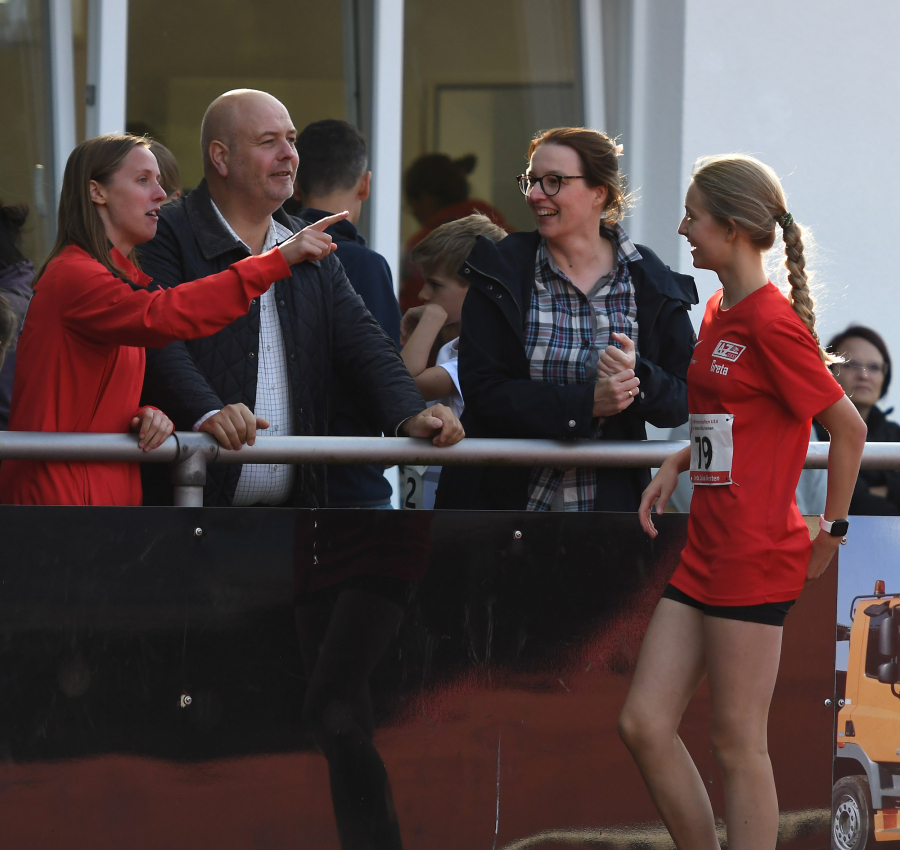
(80, 362)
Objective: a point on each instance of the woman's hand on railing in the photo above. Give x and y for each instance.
(234, 425)
(437, 422)
(152, 426)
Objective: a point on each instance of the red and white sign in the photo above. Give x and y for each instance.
(728, 350)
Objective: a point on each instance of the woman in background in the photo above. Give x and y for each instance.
(865, 376)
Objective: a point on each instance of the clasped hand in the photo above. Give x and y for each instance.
(617, 385)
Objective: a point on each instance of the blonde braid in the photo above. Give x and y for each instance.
(800, 297)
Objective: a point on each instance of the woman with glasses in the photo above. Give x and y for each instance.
(865, 376)
(569, 331)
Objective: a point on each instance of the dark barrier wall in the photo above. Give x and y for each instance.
(154, 665)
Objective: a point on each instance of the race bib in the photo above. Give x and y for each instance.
(712, 448)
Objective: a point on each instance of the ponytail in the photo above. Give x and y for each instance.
(800, 297)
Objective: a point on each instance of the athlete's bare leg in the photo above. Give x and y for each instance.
(742, 664)
(669, 669)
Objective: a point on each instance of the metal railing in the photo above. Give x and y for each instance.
(190, 453)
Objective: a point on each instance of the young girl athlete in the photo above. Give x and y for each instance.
(756, 379)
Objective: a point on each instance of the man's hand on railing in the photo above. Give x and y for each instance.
(153, 426)
(233, 426)
(437, 422)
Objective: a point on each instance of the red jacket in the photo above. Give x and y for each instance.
(80, 362)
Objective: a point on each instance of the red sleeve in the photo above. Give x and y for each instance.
(797, 376)
(96, 304)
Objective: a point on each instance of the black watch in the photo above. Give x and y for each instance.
(837, 528)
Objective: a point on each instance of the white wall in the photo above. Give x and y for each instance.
(812, 88)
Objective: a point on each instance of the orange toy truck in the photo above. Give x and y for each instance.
(866, 791)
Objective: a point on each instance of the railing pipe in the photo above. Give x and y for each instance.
(354, 450)
(42, 445)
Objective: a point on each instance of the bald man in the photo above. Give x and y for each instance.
(269, 372)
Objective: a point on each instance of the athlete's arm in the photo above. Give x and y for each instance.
(660, 489)
(848, 437)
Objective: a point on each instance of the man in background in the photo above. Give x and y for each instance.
(332, 176)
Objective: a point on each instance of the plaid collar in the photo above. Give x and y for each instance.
(624, 248)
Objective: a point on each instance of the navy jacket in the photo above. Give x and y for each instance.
(326, 327)
(864, 503)
(502, 400)
(370, 275)
(15, 284)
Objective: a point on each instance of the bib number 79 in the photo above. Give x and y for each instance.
(712, 448)
(704, 452)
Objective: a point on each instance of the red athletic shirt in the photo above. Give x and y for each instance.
(747, 543)
(80, 362)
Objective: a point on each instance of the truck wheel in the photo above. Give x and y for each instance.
(851, 819)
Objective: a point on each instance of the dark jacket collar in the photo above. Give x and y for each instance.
(213, 239)
(343, 231)
(512, 260)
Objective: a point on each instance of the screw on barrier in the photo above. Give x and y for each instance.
(198, 532)
(827, 702)
(185, 700)
(840, 703)
(517, 535)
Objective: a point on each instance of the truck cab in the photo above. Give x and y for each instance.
(866, 791)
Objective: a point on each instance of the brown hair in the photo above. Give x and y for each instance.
(12, 219)
(873, 338)
(78, 222)
(742, 192)
(445, 249)
(599, 157)
(169, 175)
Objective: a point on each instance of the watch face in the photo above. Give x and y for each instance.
(839, 528)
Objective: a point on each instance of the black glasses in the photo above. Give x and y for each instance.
(550, 183)
(871, 368)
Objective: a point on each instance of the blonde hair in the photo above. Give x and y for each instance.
(740, 191)
(599, 155)
(445, 249)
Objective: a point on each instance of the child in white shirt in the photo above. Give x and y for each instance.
(440, 255)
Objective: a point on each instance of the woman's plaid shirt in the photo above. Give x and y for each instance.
(565, 333)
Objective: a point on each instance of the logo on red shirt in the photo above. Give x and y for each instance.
(728, 350)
